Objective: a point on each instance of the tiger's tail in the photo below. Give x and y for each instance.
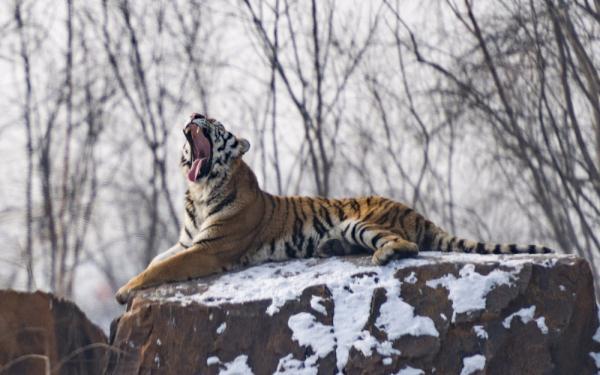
(445, 242)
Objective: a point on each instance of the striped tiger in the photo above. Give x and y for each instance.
(230, 222)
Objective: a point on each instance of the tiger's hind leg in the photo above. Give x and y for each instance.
(384, 243)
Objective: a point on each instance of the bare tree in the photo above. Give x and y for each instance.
(29, 148)
(331, 66)
(485, 117)
(532, 84)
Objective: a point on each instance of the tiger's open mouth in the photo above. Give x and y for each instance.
(201, 146)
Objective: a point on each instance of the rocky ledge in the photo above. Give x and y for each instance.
(439, 313)
(43, 334)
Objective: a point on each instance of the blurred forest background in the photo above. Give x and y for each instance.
(484, 115)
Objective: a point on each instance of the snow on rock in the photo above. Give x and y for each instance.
(397, 318)
(290, 366)
(322, 339)
(410, 371)
(596, 358)
(308, 332)
(526, 315)
(473, 364)
(344, 315)
(221, 328)
(541, 323)
(562, 288)
(316, 304)
(596, 336)
(596, 355)
(236, 367)
(411, 279)
(212, 360)
(469, 290)
(366, 344)
(480, 332)
(352, 299)
(278, 282)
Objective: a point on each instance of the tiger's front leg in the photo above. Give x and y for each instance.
(197, 261)
(175, 249)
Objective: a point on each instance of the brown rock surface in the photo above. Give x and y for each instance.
(42, 334)
(321, 316)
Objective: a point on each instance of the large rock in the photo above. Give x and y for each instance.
(439, 313)
(42, 334)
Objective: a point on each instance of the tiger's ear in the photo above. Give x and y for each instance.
(244, 145)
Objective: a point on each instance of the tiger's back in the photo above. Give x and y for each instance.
(301, 227)
(304, 227)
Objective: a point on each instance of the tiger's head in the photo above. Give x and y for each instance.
(210, 149)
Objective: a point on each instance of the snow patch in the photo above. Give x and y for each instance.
(387, 361)
(315, 303)
(279, 281)
(212, 360)
(541, 323)
(410, 371)
(352, 302)
(238, 366)
(468, 291)
(596, 358)
(526, 314)
(596, 336)
(290, 366)
(472, 364)
(411, 279)
(221, 328)
(397, 318)
(549, 262)
(322, 340)
(308, 332)
(480, 332)
(366, 343)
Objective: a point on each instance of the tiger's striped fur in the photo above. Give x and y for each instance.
(230, 222)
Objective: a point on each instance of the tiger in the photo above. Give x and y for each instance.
(229, 222)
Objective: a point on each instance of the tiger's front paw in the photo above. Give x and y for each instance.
(123, 294)
(126, 291)
(394, 251)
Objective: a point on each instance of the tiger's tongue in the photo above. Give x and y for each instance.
(201, 151)
(195, 170)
